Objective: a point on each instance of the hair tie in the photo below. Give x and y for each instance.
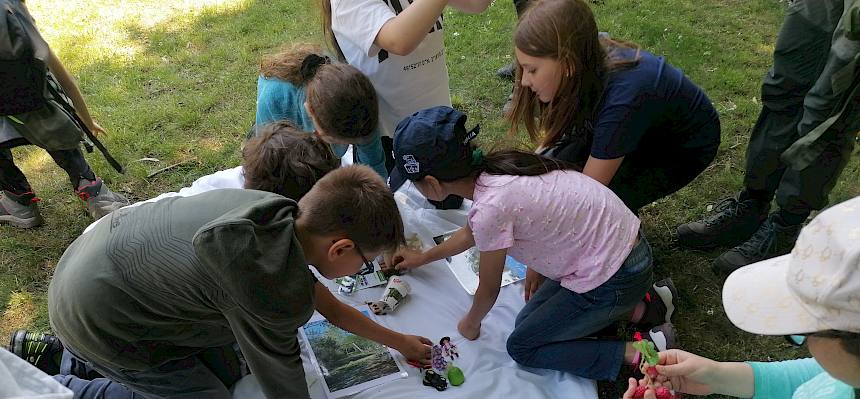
(477, 157)
(311, 64)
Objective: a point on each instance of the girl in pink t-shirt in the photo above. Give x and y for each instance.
(589, 266)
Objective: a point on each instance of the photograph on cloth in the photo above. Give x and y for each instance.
(465, 267)
(347, 363)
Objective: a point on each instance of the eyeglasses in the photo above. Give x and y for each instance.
(796, 340)
(368, 265)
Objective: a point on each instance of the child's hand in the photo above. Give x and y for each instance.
(633, 387)
(533, 282)
(415, 348)
(406, 258)
(95, 128)
(686, 372)
(469, 329)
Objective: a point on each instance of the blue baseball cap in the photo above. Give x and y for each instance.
(433, 141)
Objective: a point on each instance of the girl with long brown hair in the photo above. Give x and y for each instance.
(589, 266)
(334, 100)
(631, 120)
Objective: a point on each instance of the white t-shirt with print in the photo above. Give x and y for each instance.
(404, 84)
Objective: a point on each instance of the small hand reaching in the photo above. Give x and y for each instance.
(468, 329)
(533, 282)
(415, 348)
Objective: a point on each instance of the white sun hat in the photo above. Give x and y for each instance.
(814, 288)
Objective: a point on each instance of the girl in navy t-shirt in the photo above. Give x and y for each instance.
(627, 117)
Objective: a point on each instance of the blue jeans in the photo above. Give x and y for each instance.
(555, 329)
(206, 375)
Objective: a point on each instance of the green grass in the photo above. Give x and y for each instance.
(176, 81)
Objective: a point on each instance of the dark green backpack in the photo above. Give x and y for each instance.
(23, 54)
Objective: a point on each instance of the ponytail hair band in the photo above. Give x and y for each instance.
(311, 64)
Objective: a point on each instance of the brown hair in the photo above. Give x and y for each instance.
(342, 99)
(285, 160)
(287, 64)
(356, 202)
(566, 31)
(500, 162)
(325, 9)
(343, 102)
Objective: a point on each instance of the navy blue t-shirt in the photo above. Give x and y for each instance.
(652, 109)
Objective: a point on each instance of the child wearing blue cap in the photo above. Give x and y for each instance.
(589, 265)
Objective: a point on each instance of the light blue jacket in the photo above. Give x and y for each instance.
(277, 99)
(796, 379)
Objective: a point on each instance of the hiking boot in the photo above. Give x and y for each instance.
(732, 222)
(20, 210)
(506, 72)
(773, 238)
(99, 198)
(659, 304)
(41, 350)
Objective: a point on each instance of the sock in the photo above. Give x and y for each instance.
(792, 219)
(638, 312)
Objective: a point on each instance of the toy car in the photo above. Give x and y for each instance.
(433, 379)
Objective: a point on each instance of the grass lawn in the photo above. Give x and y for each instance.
(175, 82)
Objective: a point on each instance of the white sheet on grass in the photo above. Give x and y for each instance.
(19, 380)
(434, 307)
(432, 310)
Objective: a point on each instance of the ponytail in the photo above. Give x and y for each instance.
(296, 64)
(503, 162)
(325, 7)
(518, 163)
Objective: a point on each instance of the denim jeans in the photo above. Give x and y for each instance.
(209, 374)
(555, 329)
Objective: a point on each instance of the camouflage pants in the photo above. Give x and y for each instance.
(813, 80)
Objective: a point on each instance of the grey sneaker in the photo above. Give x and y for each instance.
(99, 198)
(731, 223)
(509, 105)
(773, 238)
(20, 210)
(506, 72)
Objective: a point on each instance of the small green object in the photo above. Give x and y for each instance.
(648, 351)
(455, 376)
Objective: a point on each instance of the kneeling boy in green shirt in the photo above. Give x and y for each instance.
(140, 297)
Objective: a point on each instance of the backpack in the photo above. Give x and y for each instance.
(23, 55)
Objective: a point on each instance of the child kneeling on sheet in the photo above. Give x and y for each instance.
(564, 225)
(143, 298)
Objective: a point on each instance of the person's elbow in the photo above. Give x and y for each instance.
(396, 45)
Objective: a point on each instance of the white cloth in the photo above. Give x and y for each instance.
(19, 379)
(434, 307)
(404, 84)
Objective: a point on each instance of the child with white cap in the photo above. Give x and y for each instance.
(812, 296)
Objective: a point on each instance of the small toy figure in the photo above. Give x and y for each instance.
(345, 285)
(650, 358)
(395, 291)
(448, 348)
(433, 379)
(437, 359)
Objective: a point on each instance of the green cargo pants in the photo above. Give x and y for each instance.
(813, 80)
